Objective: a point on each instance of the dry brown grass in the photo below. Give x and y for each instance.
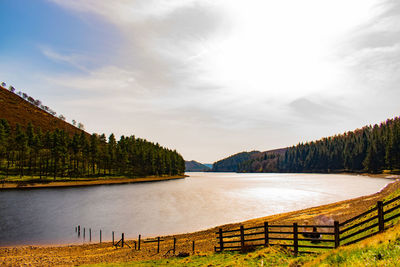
(16, 110)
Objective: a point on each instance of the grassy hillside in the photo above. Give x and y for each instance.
(18, 111)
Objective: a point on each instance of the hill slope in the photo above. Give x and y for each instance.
(231, 163)
(18, 111)
(194, 166)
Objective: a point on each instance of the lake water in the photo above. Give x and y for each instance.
(203, 200)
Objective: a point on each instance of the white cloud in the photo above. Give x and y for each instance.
(235, 74)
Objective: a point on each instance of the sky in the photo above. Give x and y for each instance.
(208, 78)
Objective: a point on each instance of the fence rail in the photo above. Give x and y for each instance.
(310, 238)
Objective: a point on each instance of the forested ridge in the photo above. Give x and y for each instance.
(30, 152)
(194, 166)
(370, 149)
(231, 163)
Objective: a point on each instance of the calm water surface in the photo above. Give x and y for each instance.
(203, 200)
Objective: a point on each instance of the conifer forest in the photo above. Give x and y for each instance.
(371, 149)
(55, 154)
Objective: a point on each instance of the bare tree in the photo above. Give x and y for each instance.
(61, 117)
(3, 84)
(74, 122)
(81, 126)
(11, 88)
(38, 103)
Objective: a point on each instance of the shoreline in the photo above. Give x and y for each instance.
(94, 253)
(66, 184)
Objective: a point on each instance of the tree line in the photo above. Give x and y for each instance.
(56, 154)
(370, 149)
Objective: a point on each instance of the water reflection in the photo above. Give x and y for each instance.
(49, 216)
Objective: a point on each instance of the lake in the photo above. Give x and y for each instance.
(201, 201)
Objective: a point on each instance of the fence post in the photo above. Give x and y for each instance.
(337, 234)
(266, 233)
(174, 245)
(193, 246)
(100, 236)
(79, 230)
(84, 233)
(221, 241)
(139, 242)
(122, 240)
(158, 244)
(90, 234)
(381, 216)
(295, 239)
(242, 237)
(113, 237)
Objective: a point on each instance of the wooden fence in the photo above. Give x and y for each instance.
(311, 238)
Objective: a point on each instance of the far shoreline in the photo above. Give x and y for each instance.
(94, 182)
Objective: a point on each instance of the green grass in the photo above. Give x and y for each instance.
(272, 256)
(380, 250)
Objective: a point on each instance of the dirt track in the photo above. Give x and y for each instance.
(204, 240)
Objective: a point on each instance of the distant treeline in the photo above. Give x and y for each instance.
(370, 149)
(29, 152)
(232, 163)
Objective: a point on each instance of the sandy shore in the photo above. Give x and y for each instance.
(204, 240)
(72, 183)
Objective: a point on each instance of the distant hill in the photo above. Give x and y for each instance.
(16, 110)
(209, 165)
(194, 166)
(266, 161)
(231, 163)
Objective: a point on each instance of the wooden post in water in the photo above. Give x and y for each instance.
(76, 229)
(174, 245)
(158, 245)
(266, 234)
(139, 242)
(242, 237)
(79, 230)
(122, 243)
(100, 235)
(90, 234)
(295, 239)
(381, 220)
(337, 234)
(221, 241)
(113, 237)
(84, 233)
